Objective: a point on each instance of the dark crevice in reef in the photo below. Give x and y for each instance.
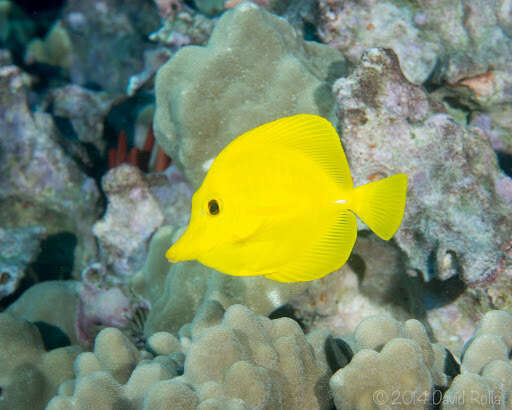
(53, 337)
(35, 19)
(442, 292)
(287, 310)
(310, 32)
(505, 162)
(55, 261)
(338, 353)
(458, 105)
(26, 282)
(451, 366)
(34, 8)
(121, 117)
(48, 76)
(85, 154)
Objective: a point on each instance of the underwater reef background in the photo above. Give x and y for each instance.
(111, 112)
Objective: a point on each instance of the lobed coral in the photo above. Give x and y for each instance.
(234, 359)
(395, 365)
(55, 49)
(79, 309)
(55, 303)
(237, 359)
(30, 375)
(256, 69)
(485, 381)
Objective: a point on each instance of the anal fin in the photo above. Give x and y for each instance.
(327, 253)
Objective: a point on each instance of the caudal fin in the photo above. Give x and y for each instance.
(381, 204)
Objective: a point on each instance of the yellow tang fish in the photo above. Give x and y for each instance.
(279, 201)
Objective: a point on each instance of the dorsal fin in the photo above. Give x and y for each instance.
(310, 134)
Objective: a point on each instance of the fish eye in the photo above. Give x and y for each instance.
(213, 207)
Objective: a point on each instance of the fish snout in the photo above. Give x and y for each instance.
(172, 255)
(184, 249)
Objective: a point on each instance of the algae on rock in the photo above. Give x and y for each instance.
(456, 222)
(254, 69)
(435, 40)
(39, 183)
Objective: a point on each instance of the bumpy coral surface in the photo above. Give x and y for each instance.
(30, 375)
(52, 302)
(485, 381)
(255, 69)
(395, 366)
(455, 220)
(398, 367)
(234, 359)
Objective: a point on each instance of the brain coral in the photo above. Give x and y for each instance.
(254, 69)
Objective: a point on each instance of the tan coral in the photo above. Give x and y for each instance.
(116, 375)
(266, 363)
(375, 331)
(486, 379)
(397, 378)
(470, 391)
(491, 341)
(29, 374)
(496, 322)
(256, 68)
(244, 361)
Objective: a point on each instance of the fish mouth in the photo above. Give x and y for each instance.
(180, 251)
(188, 247)
(171, 255)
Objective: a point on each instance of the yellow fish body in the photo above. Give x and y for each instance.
(279, 201)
